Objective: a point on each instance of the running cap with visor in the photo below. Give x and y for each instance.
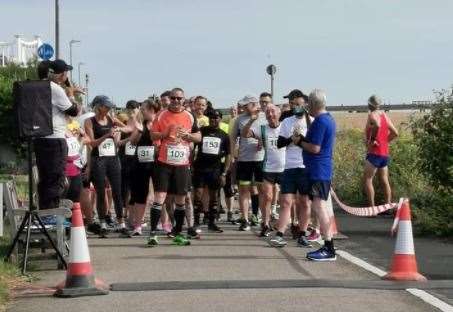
(248, 99)
(132, 104)
(59, 66)
(296, 93)
(102, 100)
(214, 114)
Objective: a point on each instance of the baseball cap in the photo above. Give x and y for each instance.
(59, 66)
(215, 114)
(132, 104)
(296, 93)
(248, 99)
(102, 100)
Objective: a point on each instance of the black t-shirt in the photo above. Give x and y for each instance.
(214, 145)
(286, 114)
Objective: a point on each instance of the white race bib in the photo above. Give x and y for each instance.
(272, 142)
(107, 148)
(73, 146)
(129, 149)
(211, 145)
(145, 153)
(177, 154)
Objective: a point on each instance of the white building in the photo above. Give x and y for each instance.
(19, 51)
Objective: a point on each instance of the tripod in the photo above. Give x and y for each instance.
(31, 216)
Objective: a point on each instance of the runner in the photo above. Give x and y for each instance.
(74, 164)
(273, 164)
(175, 128)
(200, 105)
(209, 171)
(318, 148)
(143, 165)
(380, 131)
(105, 163)
(251, 154)
(294, 186)
(165, 99)
(265, 100)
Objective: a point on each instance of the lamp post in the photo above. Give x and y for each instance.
(271, 70)
(70, 53)
(78, 70)
(57, 30)
(86, 89)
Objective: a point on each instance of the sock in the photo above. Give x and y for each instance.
(255, 204)
(212, 214)
(279, 234)
(302, 233)
(329, 244)
(155, 216)
(180, 214)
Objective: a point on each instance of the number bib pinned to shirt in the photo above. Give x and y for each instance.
(73, 146)
(272, 142)
(107, 148)
(177, 154)
(145, 154)
(129, 149)
(211, 145)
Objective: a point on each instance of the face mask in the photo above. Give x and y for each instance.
(298, 111)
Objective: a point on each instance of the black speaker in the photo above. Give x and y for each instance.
(33, 108)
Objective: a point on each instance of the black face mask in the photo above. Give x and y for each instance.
(298, 111)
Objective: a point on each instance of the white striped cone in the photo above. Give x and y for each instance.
(404, 263)
(80, 280)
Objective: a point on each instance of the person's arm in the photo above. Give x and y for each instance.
(284, 137)
(373, 124)
(90, 134)
(393, 131)
(194, 136)
(315, 135)
(305, 145)
(246, 131)
(234, 135)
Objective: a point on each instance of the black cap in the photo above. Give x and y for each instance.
(296, 93)
(214, 114)
(59, 66)
(132, 104)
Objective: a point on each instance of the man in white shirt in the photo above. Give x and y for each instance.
(51, 151)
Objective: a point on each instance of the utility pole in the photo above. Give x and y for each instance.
(271, 70)
(70, 55)
(78, 68)
(57, 29)
(86, 89)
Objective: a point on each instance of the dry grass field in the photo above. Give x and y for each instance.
(347, 120)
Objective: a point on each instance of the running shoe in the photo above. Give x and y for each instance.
(278, 241)
(229, 216)
(214, 228)
(110, 222)
(94, 228)
(180, 240)
(294, 231)
(171, 234)
(124, 233)
(254, 220)
(265, 231)
(322, 254)
(137, 231)
(303, 242)
(314, 236)
(245, 226)
(152, 241)
(103, 232)
(192, 233)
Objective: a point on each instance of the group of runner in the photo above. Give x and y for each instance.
(175, 155)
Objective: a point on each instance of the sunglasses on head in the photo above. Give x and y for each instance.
(179, 98)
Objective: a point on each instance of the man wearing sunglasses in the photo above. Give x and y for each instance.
(173, 130)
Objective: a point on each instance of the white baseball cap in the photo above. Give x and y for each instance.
(248, 99)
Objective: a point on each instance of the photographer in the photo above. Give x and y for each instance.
(51, 150)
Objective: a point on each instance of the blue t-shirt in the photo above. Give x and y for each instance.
(322, 133)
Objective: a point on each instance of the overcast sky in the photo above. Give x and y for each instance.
(401, 50)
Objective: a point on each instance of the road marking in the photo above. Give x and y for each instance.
(421, 294)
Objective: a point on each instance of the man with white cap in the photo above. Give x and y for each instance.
(251, 154)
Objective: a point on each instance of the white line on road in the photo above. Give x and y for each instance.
(421, 294)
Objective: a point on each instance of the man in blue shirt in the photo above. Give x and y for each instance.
(317, 148)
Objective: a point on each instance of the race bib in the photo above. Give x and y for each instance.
(177, 154)
(272, 142)
(129, 149)
(73, 146)
(107, 148)
(145, 153)
(211, 145)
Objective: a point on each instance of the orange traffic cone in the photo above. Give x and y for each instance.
(404, 264)
(80, 279)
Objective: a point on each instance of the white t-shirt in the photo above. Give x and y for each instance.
(293, 152)
(60, 103)
(274, 158)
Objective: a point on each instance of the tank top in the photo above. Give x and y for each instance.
(382, 146)
(145, 151)
(107, 147)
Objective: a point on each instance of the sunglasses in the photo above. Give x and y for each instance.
(179, 98)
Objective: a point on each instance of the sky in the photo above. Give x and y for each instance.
(401, 50)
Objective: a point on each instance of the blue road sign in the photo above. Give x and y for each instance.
(45, 51)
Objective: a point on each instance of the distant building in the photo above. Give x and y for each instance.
(19, 51)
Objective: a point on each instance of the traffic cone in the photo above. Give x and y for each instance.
(404, 264)
(80, 279)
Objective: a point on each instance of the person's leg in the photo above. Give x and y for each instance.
(304, 212)
(255, 200)
(198, 194)
(266, 192)
(319, 206)
(244, 199)
(114, 175)
(189, 210)
(368, 175)
(383, 175)
(98, 172)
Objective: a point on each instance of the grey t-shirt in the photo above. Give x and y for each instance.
(60, 103)
(248, 147)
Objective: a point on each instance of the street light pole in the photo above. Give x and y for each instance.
(57, 30)
(78, 68)
(271, 70)
(86, 89)
(70, 53)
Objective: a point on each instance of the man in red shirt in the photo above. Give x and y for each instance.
(173, 130)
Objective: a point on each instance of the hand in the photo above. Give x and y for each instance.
(182, 133)
(253, 118)
(295, 139)
(222, 180)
